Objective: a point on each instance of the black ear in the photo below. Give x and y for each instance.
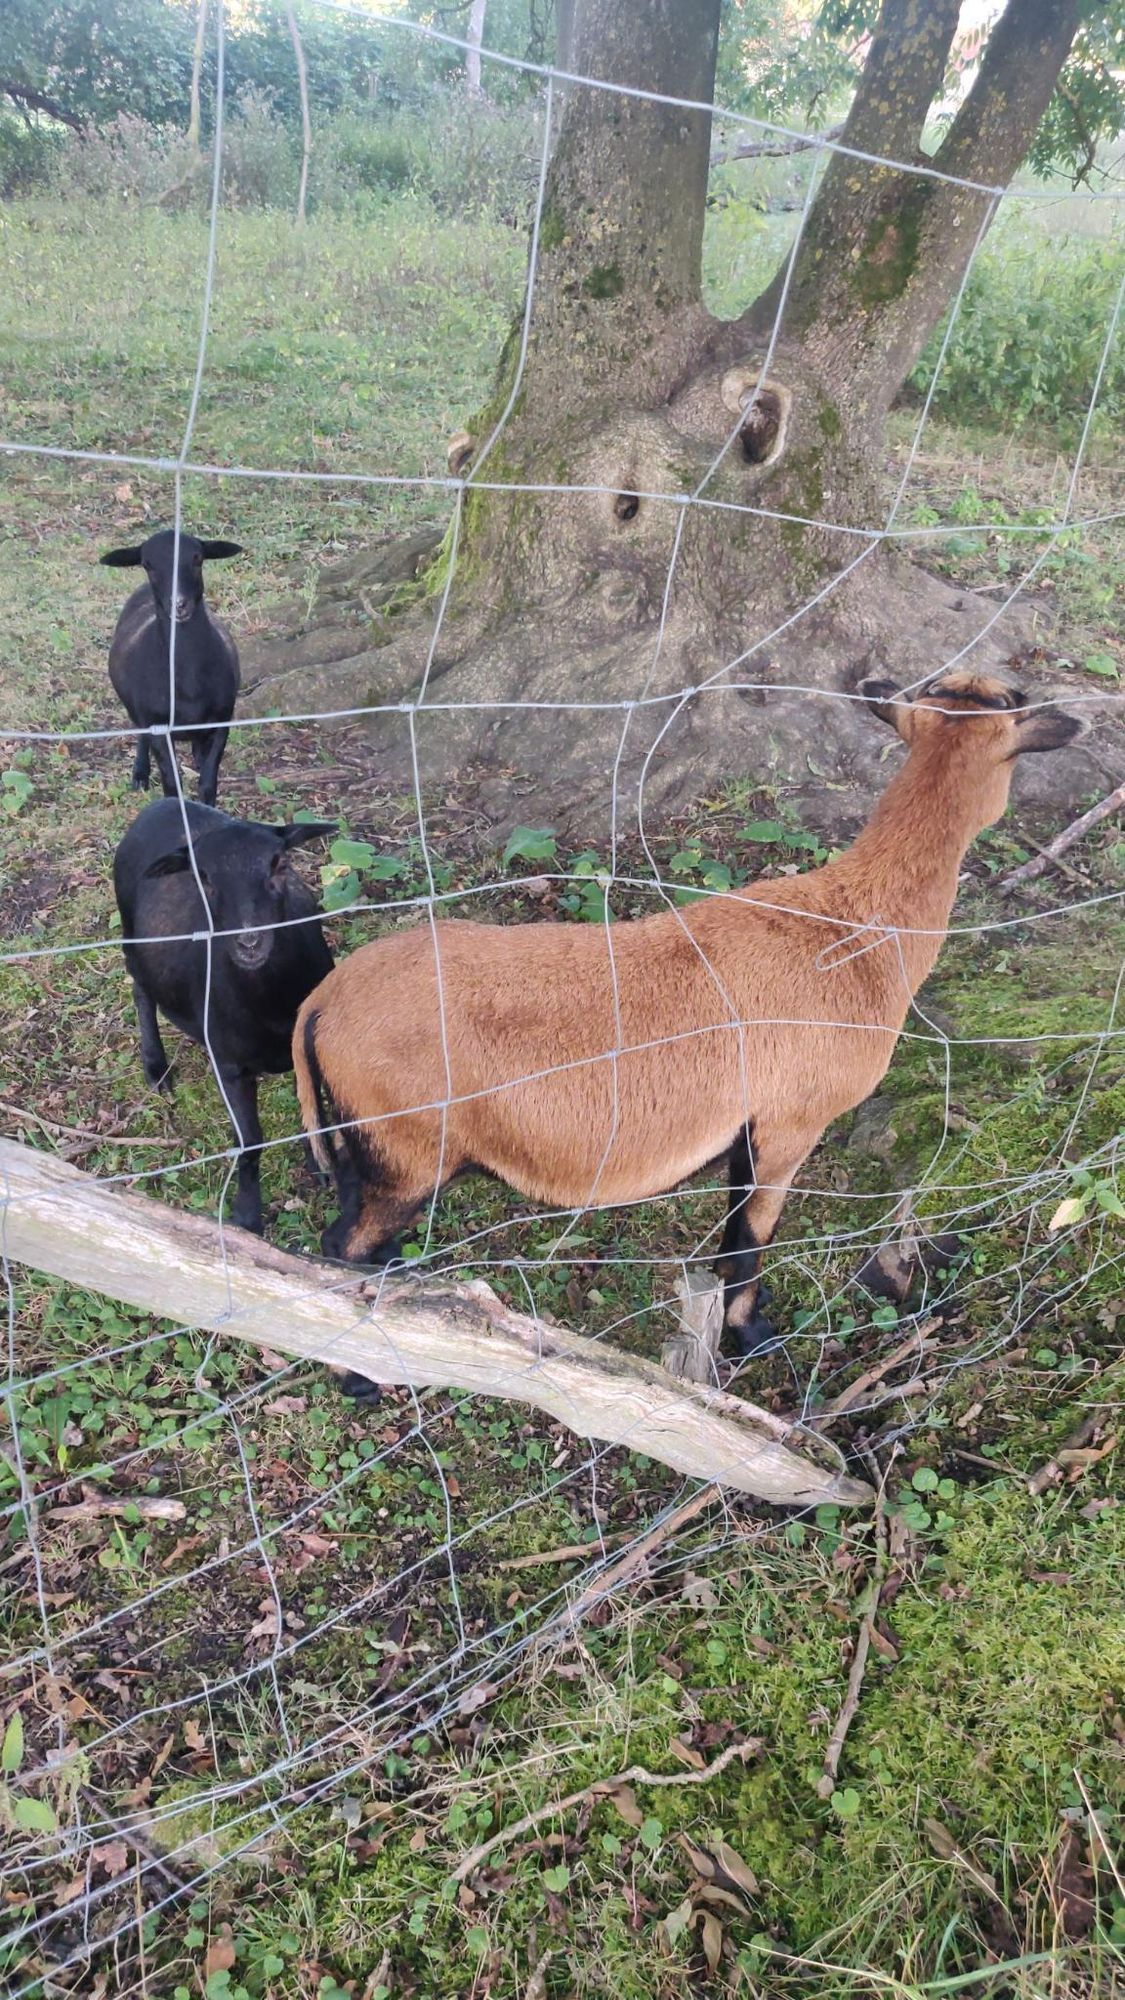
(122, 559)
(1047, 729)
(175, 863)
(883, 697)
(301, 831)
(214, 551)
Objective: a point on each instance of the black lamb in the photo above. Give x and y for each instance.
(267, 952)
(206, 658)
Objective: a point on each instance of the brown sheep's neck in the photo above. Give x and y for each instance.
(904, 866)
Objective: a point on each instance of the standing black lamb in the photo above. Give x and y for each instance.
(267, 952)
(206, 657)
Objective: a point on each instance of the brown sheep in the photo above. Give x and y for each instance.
(745, 1023)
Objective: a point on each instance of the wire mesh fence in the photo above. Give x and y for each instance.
(283, 1603)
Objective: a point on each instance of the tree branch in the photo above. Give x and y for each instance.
(1020, 67)
(426, 1333)
(775, 149)
(37, 100)
(901, 77)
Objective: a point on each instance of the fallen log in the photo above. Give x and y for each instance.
(419, 1331)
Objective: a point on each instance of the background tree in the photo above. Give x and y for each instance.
(632, 387)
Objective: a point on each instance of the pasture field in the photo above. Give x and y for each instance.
(350, 1643)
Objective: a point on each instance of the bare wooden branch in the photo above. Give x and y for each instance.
(95, 1506)
(917, 1344)
(599, 1788)
(869, 1606)
(1028, 870)
(607, 1580)
(422, 1332)
(306, 122)
(775, 149)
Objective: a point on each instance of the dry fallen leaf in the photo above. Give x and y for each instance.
(701, 1861)
(195, 1739)
(477, 1697)
(268, 1625)
(625, 1800)
(735, 1868)
(712, 1932)
(113, 1857)
(162, 1756)
(70, 1891)
(722, 1899)
(940, 1839)
(1068, 1211)
(220, 1954)
(684, 1754)
(884, 1645)
(674, 1925)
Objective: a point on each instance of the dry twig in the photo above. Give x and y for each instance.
(598, 1788)
(868, 1609)
(847, 1399)
(1076, 1441)
(1028, 870)
(96, 1506)
(609, 1579)
(569, 1552)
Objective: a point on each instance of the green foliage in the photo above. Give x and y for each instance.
(530, 843)
(29, 156)
(1030, 332)
(85, 62)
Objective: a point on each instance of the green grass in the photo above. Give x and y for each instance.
(958, 1839)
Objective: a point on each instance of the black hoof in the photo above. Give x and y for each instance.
(751, 1338)
(358, 1389)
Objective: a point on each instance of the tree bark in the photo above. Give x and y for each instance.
(653, 518)
(306, 122)
(197, 74)
(621, 234)
(474, 37)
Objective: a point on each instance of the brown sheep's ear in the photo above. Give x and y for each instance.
(1047, 729)
(122, 559)
(301, 831)
(886, 700)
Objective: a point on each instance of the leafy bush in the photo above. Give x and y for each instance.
(469, 159)
(1030, 332)
(126, 158)
(355, 152)
(261, 156)
(29, 156)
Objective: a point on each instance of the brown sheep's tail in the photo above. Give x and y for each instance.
(318, 1112)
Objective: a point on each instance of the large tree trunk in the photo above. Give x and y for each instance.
(708, 550)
